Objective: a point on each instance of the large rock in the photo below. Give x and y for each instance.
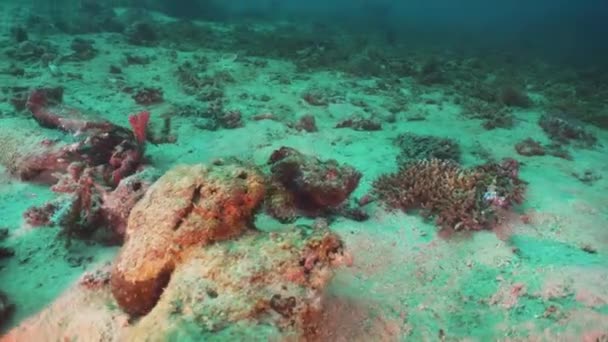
(188, 207)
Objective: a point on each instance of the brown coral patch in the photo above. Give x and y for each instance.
(460, 199)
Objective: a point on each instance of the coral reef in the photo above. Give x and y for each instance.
(85, 172)
(493, 115)
(148, 96)
(191, 270)
(188, 207)
(461, 199)
(530, 147)
(416, 147)
(312, 185)
(359, 123)
(564, 130)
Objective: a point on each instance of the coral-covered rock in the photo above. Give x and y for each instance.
(276, 280)
(359, 123)
(188, 207)
(148, 96)
(314, 184)
(83, 50)
(530, 147)
(418, 147)
(306, 123)
(32, 51)
(564, 130)
(461, 199)
(267, 285)
(101, 143)
(230, 119)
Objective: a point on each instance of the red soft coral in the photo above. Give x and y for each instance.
(139, 124)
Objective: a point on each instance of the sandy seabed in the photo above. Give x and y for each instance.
(540, 276)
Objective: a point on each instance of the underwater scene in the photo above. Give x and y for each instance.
(321, 170)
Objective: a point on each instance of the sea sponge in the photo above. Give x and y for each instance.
(461, 199)
(188, 207)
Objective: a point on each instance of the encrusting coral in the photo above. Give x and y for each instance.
(461, 199)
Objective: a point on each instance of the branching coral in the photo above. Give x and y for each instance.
(461, 199)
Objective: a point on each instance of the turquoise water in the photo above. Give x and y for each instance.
(308, 171)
